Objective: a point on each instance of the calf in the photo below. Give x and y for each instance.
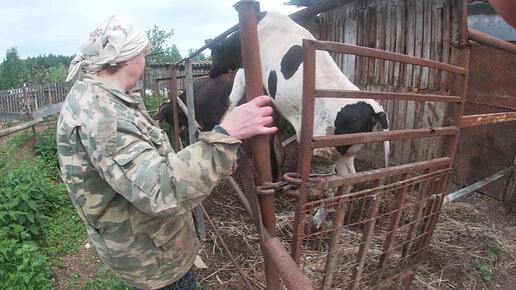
(280, 41)
(210, 100)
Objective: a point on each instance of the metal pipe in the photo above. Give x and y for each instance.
(486, 119)
(491, 41)
(385, 96)
(382, 54)
(288, 270)
(259, 145)
(351, 179)
(305, 146)
(365, 137)
(470, 188)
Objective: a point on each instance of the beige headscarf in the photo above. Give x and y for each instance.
(118, 39)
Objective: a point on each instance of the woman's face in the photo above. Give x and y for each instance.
(135, 67)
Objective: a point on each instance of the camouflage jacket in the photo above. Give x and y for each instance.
(133, 192)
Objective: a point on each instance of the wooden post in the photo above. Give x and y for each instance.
(509, 196)
(191, 136)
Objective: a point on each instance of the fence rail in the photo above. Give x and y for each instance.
(15, 104)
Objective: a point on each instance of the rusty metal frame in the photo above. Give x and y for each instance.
(431, 191)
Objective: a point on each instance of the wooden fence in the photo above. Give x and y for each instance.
(15, 104)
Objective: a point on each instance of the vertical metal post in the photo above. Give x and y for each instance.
(460, 84)
(172, 96)
(259, 145)
(190, 105)
(305, 146)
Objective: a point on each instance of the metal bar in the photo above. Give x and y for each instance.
(288, 270)
(259, 145)
(438, 202)
(424, 188)
(165, 78)
(470, 188)
(255, 214)
(338, 221)
(367, 237)
(366, 137)
(385, 96)
(491, 41)
(305, 153)
(486, 119)
(172, 96)
(393, 227)
(381, 54)
(336, 181)
(244, 277)
(209, 44)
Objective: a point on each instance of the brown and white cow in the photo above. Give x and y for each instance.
(210, 102)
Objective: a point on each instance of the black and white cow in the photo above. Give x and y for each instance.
(280, 41)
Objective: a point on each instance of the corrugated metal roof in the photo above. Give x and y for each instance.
(482, 17)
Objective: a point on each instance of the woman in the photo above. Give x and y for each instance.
(133, 192)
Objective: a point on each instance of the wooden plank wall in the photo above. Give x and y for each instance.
(161, 71)
(413, 27)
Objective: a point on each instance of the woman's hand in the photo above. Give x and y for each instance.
(249, 119)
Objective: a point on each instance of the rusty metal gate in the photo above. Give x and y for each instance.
(376, 235)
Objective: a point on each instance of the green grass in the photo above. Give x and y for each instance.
(104, 280)
(66, 231)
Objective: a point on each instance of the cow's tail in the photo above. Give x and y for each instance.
(384, 122)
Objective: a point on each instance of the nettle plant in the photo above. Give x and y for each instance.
(26, 194)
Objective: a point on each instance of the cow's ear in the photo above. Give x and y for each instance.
(384, 122)
(208, 40)
(373, 119)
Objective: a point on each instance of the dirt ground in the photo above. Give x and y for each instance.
(473, 246)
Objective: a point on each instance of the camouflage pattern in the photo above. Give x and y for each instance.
(133, 192)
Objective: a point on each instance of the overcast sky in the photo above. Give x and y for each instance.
(38, 27)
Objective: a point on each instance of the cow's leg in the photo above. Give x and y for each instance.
(238, 90)
(344, 165)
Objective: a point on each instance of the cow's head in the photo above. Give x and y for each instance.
(356, 118)
(226, 55)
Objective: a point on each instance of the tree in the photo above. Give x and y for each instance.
(200, 57)
(12, 70)
(160, 51)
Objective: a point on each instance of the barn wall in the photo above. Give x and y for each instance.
(413, 27)
(485, 150)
